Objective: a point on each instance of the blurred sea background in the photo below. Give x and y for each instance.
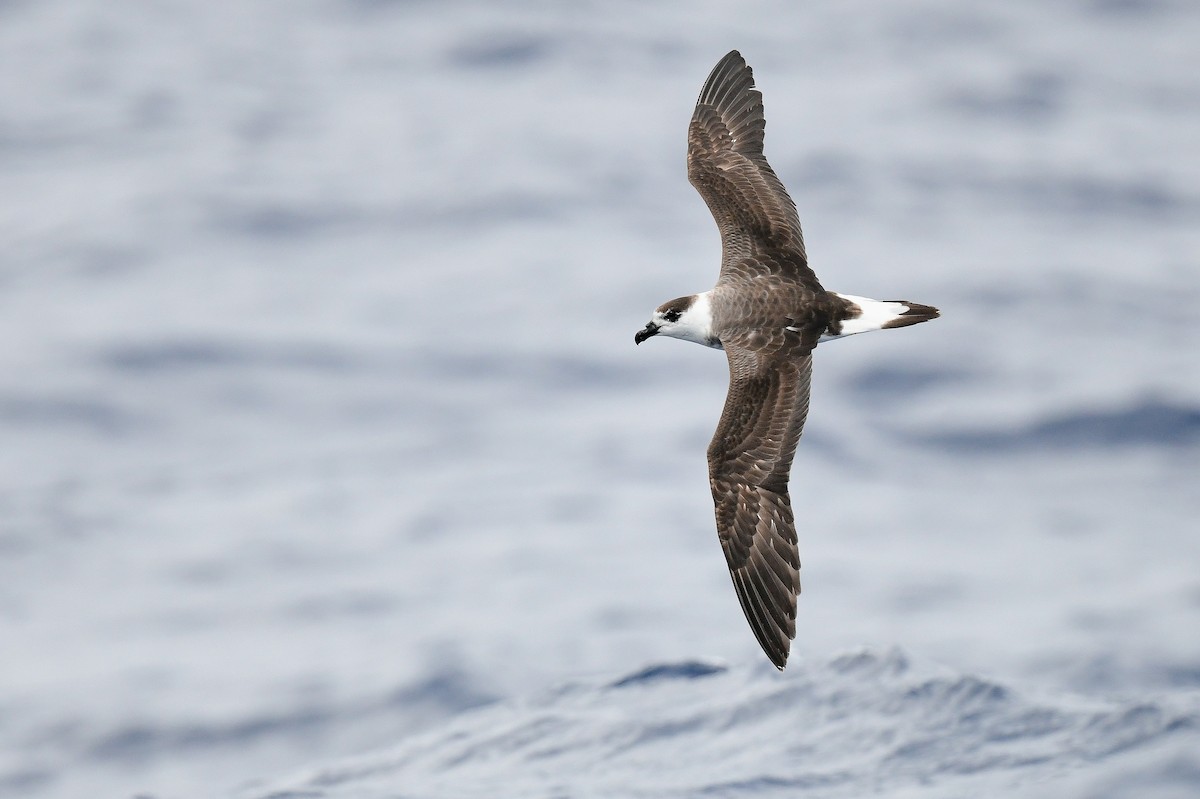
(328, 466)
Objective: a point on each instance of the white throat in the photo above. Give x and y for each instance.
(694, 324)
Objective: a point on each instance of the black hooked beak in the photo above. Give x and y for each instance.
(646, 332)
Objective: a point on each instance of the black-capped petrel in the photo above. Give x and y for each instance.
(768, 312)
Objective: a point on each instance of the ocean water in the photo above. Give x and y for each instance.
(328, 466)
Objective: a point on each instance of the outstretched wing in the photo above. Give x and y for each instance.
(749, 460)
(726, 164)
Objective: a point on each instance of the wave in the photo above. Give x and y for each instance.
(862, 723)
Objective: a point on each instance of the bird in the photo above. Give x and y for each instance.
(768, 312)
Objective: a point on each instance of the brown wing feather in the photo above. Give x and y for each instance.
(726, 165)
(749, 460)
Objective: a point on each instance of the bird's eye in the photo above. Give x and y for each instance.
(671, 316)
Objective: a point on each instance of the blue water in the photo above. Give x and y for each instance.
(328, 466)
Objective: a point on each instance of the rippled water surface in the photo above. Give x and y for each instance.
(328, 466)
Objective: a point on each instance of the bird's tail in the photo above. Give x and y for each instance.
(883, 315)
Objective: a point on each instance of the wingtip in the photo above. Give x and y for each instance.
(779, 657)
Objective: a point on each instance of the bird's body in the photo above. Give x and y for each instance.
(768, 312)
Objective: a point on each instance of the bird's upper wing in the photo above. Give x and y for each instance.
(748, 461)
(726, 164)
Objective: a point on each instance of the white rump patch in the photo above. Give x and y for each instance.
(875, 314)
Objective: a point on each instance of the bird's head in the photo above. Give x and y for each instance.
(688, 318)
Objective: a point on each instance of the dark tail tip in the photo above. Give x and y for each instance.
(915, 314)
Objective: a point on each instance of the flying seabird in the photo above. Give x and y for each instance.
(768, 312)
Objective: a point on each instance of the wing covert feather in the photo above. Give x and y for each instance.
(749, 459)
(726, 164)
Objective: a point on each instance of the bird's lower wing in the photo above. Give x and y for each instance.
(749, 460)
